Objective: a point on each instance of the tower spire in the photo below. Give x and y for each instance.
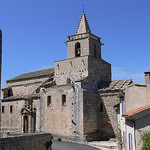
(83, 25)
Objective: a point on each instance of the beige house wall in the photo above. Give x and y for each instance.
(142, 125)
(136, 96)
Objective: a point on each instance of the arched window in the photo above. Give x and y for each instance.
(63, 99)
(77, 50)
(95, 50)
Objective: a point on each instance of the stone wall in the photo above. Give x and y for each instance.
(62, 119)
(88, 43)
(99, 70)
(84, 45)
(25, 87)
(82, 67)
(30, 142)
(108, 119)
(13, 121)
(91, 115)
(73, 69)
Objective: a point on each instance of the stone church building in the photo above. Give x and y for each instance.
(76, 99)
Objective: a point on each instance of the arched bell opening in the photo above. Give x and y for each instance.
(77, 50)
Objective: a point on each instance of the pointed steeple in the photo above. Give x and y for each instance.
(83, 25)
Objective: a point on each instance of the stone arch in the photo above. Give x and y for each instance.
(77, 49)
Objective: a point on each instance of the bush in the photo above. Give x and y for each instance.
(59, 139)
(146, 141)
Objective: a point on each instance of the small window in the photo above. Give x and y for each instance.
(3, 109)
(49, 101)
(101, 108)
(68, 81)
(63, 99)
(123, 106)
(11, 109)
(10, 92)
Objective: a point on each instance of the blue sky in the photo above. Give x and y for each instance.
(34, 32)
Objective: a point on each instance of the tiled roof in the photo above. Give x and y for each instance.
(115, 85)
(38, 73)
(30, 96)
(136, 111)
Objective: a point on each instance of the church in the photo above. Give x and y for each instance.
(74, 100)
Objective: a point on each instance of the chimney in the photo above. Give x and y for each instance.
(147, 78)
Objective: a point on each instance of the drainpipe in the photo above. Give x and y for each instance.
(134, 135)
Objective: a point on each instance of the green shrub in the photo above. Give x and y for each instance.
(59, 139)
(48, 144)
(146, 141)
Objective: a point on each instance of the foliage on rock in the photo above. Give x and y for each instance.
(146, 141)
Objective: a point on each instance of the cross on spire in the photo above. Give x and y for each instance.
(83, 7)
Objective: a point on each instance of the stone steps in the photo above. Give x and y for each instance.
(104, 145)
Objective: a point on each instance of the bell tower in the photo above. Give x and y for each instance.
(83, 43)
(83, 58)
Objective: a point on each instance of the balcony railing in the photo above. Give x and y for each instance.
(82, 35)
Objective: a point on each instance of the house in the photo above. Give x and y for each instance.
(135, 111)
(74, 100)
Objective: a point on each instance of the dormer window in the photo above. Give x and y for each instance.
(77, 50)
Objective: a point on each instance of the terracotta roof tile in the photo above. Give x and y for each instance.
(136, 111)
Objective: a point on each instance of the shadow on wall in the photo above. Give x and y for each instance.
(97, 125)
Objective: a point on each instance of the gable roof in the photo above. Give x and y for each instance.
(34, 74)
(83, 25)
(138, 112)
(115, 85)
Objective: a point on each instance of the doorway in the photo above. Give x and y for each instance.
(25, 126)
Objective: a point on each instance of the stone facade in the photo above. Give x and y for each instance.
(75, 100)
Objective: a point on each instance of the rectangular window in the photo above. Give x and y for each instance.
(130, 142)
(49, 102)
(101, 107)
(3, 109)
(123, 106)
(11, 109)
(63, 99)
